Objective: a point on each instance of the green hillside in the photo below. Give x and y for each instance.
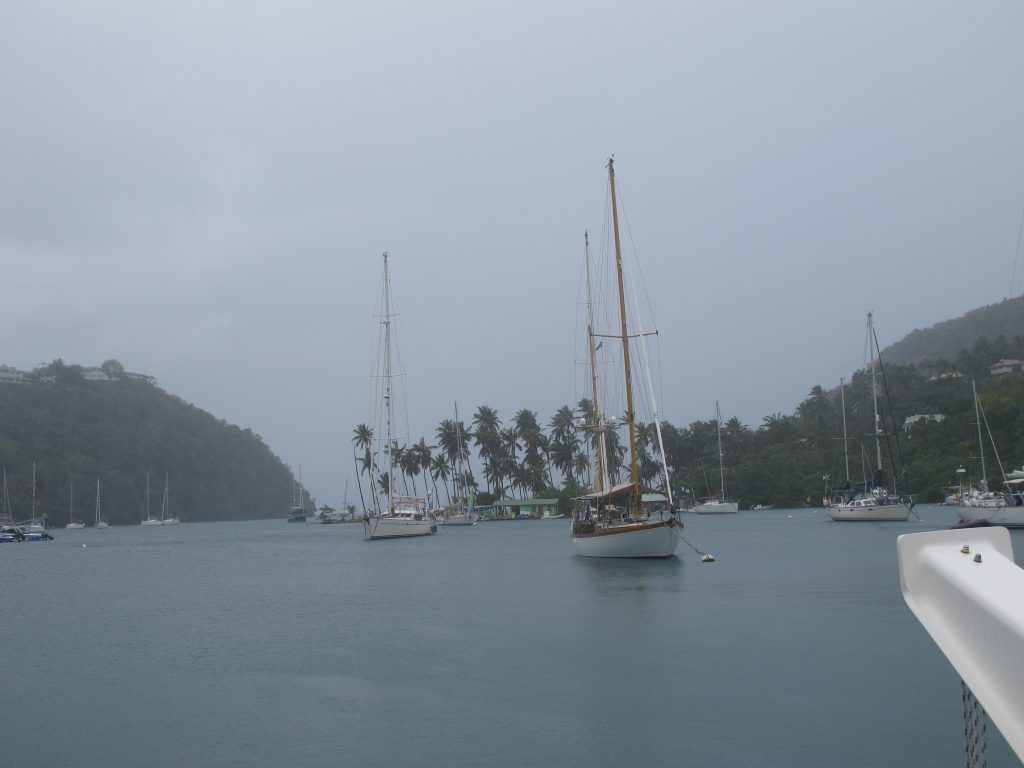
(76, 430)
(949, 339)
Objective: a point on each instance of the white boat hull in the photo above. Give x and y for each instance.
(152, 521)
(644, 540)
(1009, 517)
(397, 527)
(469, 519)
(74, 526)
(171, 521)
(877, 514)
(102, 525)
(717, 508)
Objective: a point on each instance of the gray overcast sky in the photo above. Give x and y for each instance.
(202, 190)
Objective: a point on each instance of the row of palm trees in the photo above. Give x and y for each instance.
(521, 458)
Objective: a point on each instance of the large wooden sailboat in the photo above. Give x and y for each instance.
(391, 516)
(612, 521)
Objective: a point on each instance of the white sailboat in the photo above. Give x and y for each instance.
(149, 520)
(871, 501)
(166, 518)
(612, 522)
(979, 504)
(463, 513)
(392, 516)
(72, 522)
(100, 520)
(721, 504)
(297, 514)
(34, 525)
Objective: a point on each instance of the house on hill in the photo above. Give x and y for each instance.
(1005, 366)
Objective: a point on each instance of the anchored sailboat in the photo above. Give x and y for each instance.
(166, 518)
(398, 516)
(981, 505)
(462, 512)
(72, 521)
(612, 522)
(100, 520)
(149, 520)
(871, 500)
(721, 504)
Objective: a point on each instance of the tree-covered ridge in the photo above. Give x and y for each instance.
(786, 460)
(77, 431)
(957, 341)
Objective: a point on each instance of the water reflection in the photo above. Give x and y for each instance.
(616, 575)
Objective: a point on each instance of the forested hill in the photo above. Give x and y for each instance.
(118, 430)
(950, 339)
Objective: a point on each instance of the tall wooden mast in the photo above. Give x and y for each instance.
(630, 418)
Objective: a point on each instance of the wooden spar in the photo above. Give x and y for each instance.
(630, 419)
(598, 426)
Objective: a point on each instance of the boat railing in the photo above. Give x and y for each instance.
(964, 587)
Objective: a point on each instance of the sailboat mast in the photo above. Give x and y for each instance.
(599, 437)
(460, 486)
(874, 390)
(630, 417)
(846, 444)
(721, 457)
(388, 407)
(981, 444)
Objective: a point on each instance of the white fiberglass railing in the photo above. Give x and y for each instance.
(965, 588)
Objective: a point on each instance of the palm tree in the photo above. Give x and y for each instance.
(439, 470)
(564, 442)
(362, 439)
(487, 435)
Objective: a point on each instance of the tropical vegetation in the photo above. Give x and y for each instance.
(786, 460)
(117, 431)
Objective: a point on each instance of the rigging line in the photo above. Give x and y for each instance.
(636, 259)
(991, 440)
(650, 385)
(1017, 255)
(896, 437)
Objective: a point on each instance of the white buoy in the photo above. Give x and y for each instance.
(83, 546)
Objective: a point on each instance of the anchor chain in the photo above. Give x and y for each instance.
(975, 727)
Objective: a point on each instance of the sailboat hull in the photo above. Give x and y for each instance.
(1008, 517)
(641, 540)
(397, 527)
(878, 514)
(468, 519)
(717, 508)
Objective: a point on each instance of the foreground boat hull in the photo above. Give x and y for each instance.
(397, 527)
(637, 540)
(879, 514)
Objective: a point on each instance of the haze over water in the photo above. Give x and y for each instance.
(268, 644)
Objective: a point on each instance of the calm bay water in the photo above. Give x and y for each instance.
(269, 644)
